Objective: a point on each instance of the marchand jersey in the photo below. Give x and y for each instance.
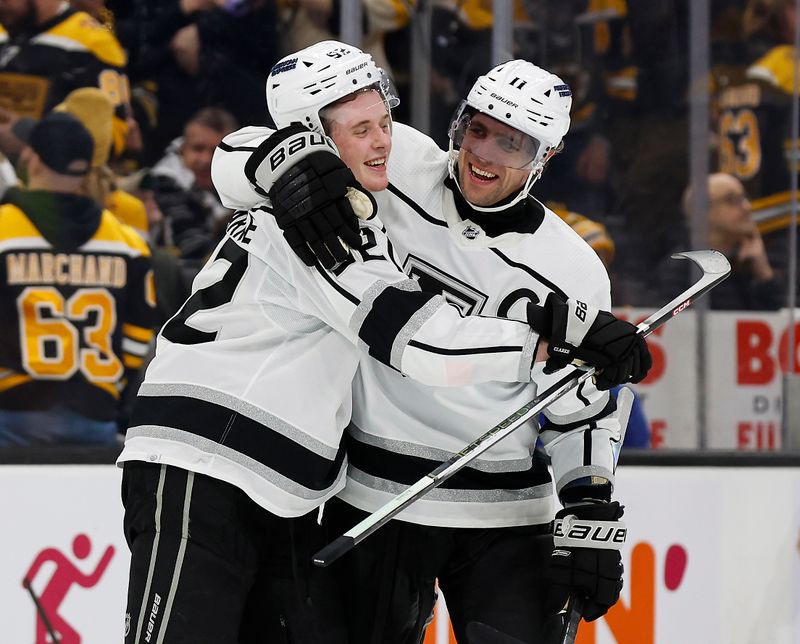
(251, 380)
(76, 320)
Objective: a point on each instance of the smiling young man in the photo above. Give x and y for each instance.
(463, 224)
(361, 127)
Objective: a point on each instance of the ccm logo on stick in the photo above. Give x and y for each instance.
(680, 308)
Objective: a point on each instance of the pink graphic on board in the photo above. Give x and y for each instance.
(64, 576)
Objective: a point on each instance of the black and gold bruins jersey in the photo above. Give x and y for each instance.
(38, 69)
(754, 125)
(76, 320)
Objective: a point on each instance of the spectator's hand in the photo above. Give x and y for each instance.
(185, 47)
(753, 256)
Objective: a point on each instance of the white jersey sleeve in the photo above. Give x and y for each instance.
(370, 301)
(580, 429)
(227, 168)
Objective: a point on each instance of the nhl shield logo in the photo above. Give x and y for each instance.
(470, 232)
(127, 624)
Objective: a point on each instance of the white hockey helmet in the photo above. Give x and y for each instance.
(529, 99)
(303, 83)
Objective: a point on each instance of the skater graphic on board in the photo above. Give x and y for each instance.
(50, 625)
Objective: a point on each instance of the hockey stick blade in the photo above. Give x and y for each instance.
(715, 268)
(572, 620)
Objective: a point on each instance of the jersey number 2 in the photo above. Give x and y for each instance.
(208, 297)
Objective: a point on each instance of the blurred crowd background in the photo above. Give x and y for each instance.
(684, 123)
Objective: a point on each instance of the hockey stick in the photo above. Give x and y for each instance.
(42, 614)
(573, 619)
(715, 268)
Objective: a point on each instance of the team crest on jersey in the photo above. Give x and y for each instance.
(470, 232)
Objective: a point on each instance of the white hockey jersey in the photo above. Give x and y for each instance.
(251, 380)
(400, 430)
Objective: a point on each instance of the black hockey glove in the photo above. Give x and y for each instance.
(586, 559)
(577, 331)
(310, 197)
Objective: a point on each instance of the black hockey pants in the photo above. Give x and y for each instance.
(210, 566)
(491, 576)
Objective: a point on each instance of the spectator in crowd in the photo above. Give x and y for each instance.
(76, 289)
(48, 49)
(754, 121)
(93, 109)
(181, 182)
(753, 284)
(187, 54)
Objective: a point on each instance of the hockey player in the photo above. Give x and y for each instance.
(467, 228)
(227, 457)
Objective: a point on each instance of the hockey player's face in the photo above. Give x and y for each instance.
(362, 130)
(17, 15)
(486, 182)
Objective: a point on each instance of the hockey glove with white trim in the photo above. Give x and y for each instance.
(309, 187)
(578, 331)
(586, 558)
